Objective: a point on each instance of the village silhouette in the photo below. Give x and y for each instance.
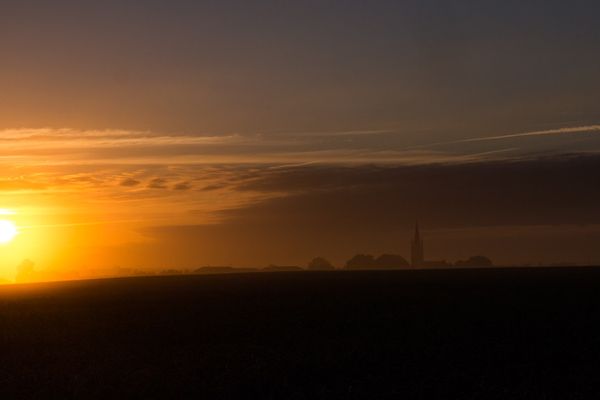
(26, 271)
(366, 261)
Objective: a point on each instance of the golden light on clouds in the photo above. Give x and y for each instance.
(81, 203)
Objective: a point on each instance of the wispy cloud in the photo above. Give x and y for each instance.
(339, 133)
(66, 147)
(70, 138)
(90, 147)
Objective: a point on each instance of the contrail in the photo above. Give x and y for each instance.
(558, 131)
(576, 129)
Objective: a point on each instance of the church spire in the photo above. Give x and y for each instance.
(417, 254)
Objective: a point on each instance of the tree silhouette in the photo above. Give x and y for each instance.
(360, 261)
(475, 261)
(273, 267)
(391, 261)
(320, 263)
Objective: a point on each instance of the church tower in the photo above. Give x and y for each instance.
(417, 255)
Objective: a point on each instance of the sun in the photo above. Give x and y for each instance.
(8, 231)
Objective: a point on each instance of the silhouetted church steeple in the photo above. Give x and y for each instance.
(417, 255)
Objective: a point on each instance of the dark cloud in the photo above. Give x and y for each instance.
(507, 210)
(214, 187)
(129, 182)
(182, 186)
(157, 183)
(560, 190)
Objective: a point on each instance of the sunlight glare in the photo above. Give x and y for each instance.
(8, 231)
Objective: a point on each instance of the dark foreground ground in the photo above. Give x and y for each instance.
(527, 333)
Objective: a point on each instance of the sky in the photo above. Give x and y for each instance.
(175, 134)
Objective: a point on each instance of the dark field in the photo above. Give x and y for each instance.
(526, 333)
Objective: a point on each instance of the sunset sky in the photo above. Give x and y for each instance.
(175, 134)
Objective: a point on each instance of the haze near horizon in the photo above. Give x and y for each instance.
(176, 134)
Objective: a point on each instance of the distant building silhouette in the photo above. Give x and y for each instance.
(417, 252)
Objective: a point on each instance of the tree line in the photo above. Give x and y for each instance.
(390, 261)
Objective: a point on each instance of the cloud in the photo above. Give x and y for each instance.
(129, 182)
(157, 183)
(103, 138)
(340, 133)
(182, 186)
(286, 213)
(555, 190)
(20, 184)
(111, 147)
(305, 211)
(214, 187)
(68, 147)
